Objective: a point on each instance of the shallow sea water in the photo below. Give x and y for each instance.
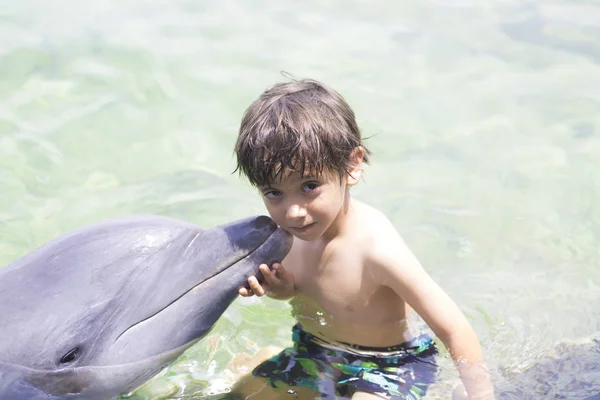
(483, 117)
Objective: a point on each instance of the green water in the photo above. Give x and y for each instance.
(485, 125)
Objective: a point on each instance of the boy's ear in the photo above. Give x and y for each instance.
(355, 167)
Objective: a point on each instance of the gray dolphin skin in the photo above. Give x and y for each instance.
(98, 311)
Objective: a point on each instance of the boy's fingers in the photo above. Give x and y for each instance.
(278, 269)
(282, 273)
(256, 288)
(245, 292)
(268, 274)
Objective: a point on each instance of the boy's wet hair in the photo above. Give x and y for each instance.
(297, 126)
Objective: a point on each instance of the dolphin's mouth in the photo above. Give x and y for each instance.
(272, 237)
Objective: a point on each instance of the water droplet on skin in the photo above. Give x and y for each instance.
(320, 319)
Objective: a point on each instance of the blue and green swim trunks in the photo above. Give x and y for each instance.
(399, 372)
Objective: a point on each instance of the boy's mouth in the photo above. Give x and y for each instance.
(303, 228)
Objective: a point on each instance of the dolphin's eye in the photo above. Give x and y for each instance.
(71, 356)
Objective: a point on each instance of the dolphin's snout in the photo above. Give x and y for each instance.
(264, 222)
(251, 232)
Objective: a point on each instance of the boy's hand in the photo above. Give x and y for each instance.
(278, 283)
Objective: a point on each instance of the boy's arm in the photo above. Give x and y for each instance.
(394, 265)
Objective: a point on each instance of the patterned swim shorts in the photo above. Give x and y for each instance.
(399, 372)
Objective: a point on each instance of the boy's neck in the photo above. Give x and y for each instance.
(340, 224)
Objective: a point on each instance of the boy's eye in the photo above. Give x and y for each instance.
(272, 194)
(309, 187)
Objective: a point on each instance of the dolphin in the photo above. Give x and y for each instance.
(100, 310)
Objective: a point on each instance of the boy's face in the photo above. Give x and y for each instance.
(306, 205)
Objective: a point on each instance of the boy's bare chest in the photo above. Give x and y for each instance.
(335, 280)
(327, 269)
(338, 281)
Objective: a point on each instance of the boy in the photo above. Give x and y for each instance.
(351, 279)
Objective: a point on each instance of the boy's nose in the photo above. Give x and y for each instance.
(296, 211)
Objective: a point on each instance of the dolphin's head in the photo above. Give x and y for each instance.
(106, 307)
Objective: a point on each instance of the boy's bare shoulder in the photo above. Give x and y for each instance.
(375, 224)
(385, 245)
